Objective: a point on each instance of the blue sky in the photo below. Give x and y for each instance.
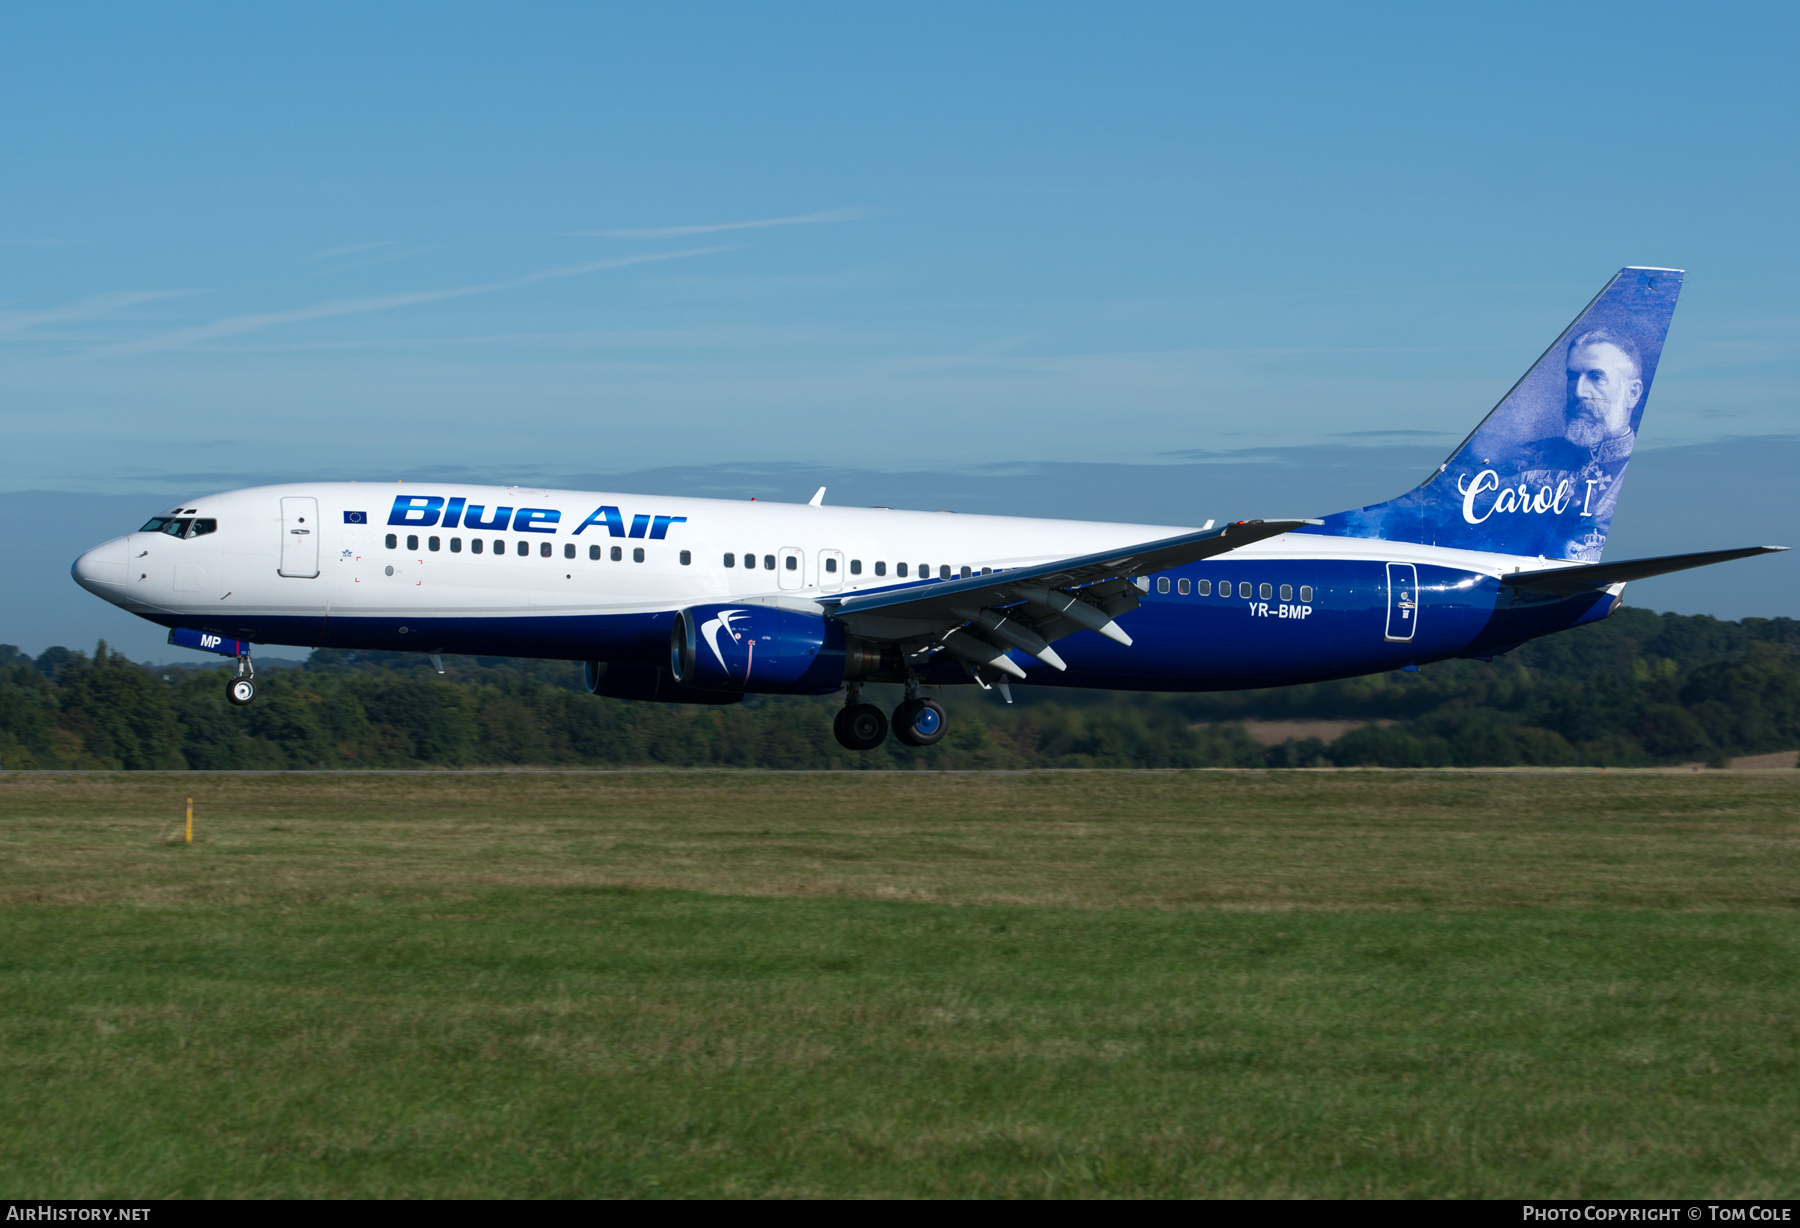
(242, 244)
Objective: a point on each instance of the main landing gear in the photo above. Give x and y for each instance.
(917, 721)
(920, 722)
(860, 727)
(242, 689)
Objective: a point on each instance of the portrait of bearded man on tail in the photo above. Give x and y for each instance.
(1605, 385)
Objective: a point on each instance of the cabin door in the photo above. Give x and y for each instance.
(793, 568)
(1403, 601)
(299, 538)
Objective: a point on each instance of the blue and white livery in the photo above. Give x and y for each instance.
(705, 601)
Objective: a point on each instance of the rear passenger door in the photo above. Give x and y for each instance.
(1403, 602)
(299, 538)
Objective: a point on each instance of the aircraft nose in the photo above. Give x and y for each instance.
(102, 569)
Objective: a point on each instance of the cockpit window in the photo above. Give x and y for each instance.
(182, 527)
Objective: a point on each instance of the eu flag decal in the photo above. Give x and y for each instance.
(356, 518)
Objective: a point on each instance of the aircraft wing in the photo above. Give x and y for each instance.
(980, 618)
(1600, 575)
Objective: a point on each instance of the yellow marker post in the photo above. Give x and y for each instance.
(190, 822)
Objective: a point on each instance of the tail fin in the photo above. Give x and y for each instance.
(1541, 474)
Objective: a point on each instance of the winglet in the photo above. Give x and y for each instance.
(817, 500)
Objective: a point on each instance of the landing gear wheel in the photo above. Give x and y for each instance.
(240, 691)
(920, 722)
(860, 727)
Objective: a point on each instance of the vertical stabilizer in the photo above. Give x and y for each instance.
(1541, 474)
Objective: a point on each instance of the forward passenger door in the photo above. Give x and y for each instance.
(299, 537)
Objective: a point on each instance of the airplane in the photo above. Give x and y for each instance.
(705, 601)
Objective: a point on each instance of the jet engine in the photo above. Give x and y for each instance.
(764, 650)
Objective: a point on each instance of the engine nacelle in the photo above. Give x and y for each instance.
(646, 682)
(757, 649)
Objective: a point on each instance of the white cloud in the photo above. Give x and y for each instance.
(672, 232)
(234, 325)
(331, 252)
(95, 307)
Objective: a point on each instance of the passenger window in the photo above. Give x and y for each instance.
(1243, 588)
(594, 553)
(1306, 592)
(987, 571)
(900, 570)
(524, 550)
(830, 565)
(393, 543)
(499, 545)
(731, 560)
(1162, 584)
(433, 543)
(1203, 587)
(768, 562)
(474, 545)
(967, 572)
(793, 563)
(412, 541)
(1268, 591)
(856, 567)
(687, 558)
(543, 549)
(456, 545)
(1181, 586)
(568, 550)
(637, 554)
(617, 554)
(1287, 592)
(881, 569)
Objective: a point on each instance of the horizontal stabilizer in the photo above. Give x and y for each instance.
(1600, 575)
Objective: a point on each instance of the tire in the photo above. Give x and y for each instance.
(860, 727)
(240, 691)
(920, 722)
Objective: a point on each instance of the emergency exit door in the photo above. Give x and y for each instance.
(1403, 601)
(299, 538)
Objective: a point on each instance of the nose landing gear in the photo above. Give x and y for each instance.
(242, 689)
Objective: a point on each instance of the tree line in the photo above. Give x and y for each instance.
(1637, 689)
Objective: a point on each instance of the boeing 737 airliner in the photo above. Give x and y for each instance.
(702, 601)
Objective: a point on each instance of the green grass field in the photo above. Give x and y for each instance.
(1210, 983)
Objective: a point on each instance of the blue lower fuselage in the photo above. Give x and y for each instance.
(1182, 642)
